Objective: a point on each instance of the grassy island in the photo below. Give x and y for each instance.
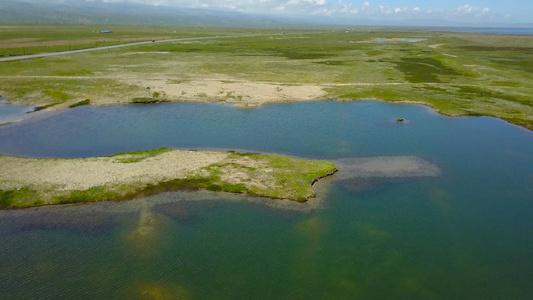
(26, 182)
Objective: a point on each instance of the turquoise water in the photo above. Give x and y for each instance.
(465, 234)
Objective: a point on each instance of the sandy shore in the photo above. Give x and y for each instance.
(82, 174)
(243, 93)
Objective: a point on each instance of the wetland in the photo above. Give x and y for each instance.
(423, 206)
(456, 73)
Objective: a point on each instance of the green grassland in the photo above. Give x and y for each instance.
(456, 73)
(25, 39)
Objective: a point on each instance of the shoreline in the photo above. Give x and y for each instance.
(239, 105)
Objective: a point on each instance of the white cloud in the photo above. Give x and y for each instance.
(474, 11)
(466, 8)
(358, 9)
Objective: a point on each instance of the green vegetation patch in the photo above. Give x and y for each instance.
(57, 94)
(136, 156)
(81, 103)
(37, 108)
(476, 91)
(506, 83)
(147, 100)
(295, 54)
(95, 194)
(423, 69)
(293, 177)
(22, 197)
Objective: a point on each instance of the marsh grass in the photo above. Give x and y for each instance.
(57, 94)
(81, 103)
(136, 156)
(95, 194)
(294, 179)
(25, 196)
(147, 100)
(423, 69)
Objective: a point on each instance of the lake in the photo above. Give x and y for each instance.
(465, 234)
(524, 31)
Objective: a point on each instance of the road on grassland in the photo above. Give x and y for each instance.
(21, 57)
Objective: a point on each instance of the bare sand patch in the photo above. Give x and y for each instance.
(435, 46)
(203, 89)
(240, 92)
(84, 173)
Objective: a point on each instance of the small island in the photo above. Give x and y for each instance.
(27, 182)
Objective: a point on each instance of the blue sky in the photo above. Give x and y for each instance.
(469, 11)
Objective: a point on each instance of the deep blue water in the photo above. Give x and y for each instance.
(465, 234)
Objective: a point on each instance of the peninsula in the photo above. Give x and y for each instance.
(26, 182)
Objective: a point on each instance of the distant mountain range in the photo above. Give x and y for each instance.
(136, 14)
(82, 12)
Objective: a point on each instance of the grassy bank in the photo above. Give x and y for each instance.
(27, 182)
(456, 73)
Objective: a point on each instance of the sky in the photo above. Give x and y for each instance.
(469, 11)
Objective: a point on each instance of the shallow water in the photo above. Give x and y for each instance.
(463, 232)
(12, 113)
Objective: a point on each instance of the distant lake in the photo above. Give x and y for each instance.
(466, 234)
(525, 31)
